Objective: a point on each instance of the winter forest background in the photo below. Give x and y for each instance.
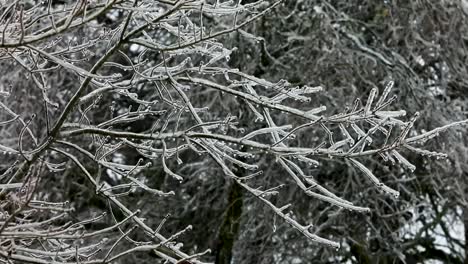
(213, 131)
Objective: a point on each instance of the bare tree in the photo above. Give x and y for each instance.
(91, 85)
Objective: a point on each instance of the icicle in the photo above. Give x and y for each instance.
(385, 93)
(374, 179)
(403, 161)
(370, 100)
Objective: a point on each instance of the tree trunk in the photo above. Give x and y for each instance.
(465, 223)
(230, 226)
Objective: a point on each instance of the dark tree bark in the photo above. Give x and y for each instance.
(230, 227)
(465, 224)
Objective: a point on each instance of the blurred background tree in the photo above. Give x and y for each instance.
(351, 47)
